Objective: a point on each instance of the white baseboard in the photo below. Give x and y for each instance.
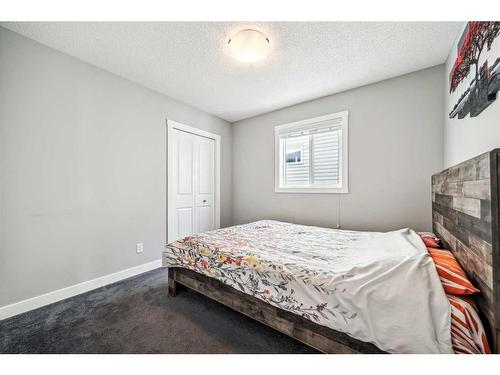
(58, 295)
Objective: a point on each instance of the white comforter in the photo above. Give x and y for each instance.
(376, 287)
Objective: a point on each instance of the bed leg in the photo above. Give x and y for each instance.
(172, 284)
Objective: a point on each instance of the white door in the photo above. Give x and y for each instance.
(192, 170)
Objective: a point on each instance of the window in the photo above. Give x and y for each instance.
(311, 155)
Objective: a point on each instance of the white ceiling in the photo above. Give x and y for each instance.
(189, 61)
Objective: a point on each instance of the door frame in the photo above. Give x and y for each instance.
(171, 125)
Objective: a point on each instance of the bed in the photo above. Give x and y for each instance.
(338, 291)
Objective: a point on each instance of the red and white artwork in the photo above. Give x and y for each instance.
(475, 76)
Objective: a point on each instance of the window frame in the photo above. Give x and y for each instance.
(344, 172)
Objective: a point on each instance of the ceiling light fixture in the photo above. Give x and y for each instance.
(249, 46)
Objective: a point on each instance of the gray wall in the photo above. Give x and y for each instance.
(82, 169)
(395, 145)
(469, 137)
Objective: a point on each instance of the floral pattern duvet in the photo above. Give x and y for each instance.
(376, 287)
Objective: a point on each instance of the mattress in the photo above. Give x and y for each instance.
(377, 287)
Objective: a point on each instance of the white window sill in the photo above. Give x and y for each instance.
(343, 190)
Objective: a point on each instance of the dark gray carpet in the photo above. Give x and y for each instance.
(136, 316)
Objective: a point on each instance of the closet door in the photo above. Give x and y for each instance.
(205, 179)
(182, 217)
(192, 170)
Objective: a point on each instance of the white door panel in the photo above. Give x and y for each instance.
(185, 164)
(205, 218)
(205, 165)
(193, 185)
(184, 222)
(205, 184)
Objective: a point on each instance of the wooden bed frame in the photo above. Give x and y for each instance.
(324, 339)
(465, 215)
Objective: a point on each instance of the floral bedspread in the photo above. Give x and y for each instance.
(377, 287)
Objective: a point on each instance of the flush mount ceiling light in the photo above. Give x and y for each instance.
(249, 46)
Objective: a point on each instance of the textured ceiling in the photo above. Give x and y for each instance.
(189, 61)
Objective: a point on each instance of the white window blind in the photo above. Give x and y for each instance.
(310, 155)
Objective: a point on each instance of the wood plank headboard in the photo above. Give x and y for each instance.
(465, 215)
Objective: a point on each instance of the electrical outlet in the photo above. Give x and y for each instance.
(139, 248)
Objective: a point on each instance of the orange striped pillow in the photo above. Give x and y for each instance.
(467, 331)
(452, 276)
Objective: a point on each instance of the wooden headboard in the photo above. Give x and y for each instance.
(465, 215)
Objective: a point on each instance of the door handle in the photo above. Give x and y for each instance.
(204, 201)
